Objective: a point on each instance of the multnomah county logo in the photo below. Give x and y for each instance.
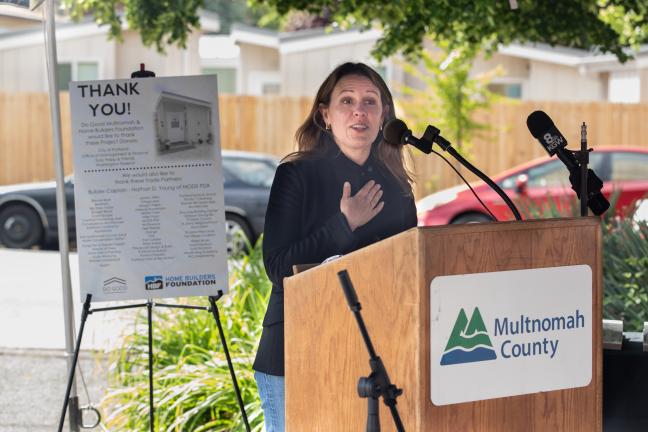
(469, 341)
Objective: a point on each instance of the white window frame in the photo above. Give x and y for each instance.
(75, 66)
(256, 80)
(623, 93)
(512, 80)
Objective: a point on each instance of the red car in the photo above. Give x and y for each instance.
(537, 184)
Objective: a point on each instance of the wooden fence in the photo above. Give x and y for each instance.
(268, 124)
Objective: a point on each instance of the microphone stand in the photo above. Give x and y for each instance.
(377, 384)
(583, 158)
(583, 180)
(432, 135)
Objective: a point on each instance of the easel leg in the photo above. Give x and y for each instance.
(149, 311)
(77, 347)
(214, 310)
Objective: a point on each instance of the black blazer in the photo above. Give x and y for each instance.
(304, 225)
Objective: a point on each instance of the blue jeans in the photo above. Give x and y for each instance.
(273, 400)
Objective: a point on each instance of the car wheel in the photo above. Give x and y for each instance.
(20, 227)
(238, 235)
(472, 218)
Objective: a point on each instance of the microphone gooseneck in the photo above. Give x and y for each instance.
(396, 133)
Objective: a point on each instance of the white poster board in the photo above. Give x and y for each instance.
(510, 333)
(148, 187)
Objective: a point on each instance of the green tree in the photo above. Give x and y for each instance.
(450, 96)
(159, 22)
(236, 11)
(608, 25)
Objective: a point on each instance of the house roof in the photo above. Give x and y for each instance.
(70, 30)
(34, 36)
(573, 56)
(301, 40)
(305, 40)
(20, 12)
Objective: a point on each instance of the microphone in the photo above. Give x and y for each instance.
(546, 132)
(396, 133)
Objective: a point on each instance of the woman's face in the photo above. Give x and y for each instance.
(354, 114)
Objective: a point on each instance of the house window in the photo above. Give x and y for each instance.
(624, 87)
(629, 167)
(226, 78)
(263, 83)
(76, 71)
(510, 90)
(64, 76)
(382, 71)
(87, 71)
(270, 88)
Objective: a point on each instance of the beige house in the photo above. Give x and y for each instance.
(255, 61)
(14, 17)
(542, 72)
(268, 62)
(291, 64)
(85, 53)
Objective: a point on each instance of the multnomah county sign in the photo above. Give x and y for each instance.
(510, 333)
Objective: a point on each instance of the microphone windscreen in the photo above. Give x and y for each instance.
(598, 204)
(539, 123)
(394, 130)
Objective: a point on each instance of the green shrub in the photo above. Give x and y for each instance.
(193, 390)
(625, 258)
(625, 273)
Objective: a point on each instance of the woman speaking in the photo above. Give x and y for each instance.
(344, 189)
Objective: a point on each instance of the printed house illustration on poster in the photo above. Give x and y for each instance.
(182, 122)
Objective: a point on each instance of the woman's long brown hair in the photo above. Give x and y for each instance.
(314, 140)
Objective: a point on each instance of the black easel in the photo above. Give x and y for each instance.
(377, 384)
(213, 308)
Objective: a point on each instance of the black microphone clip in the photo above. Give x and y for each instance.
(433, 135)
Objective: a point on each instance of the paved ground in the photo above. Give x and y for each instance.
(33, 388)
(33, 366)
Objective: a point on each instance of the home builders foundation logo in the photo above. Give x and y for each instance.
(469, 341)
(153, 282)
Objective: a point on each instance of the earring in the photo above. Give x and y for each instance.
(328, 127)
(381, 127)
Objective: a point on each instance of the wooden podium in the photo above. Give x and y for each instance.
(325, 353)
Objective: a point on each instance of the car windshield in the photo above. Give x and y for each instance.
(253, 172)
(550, 174)
(628, 166)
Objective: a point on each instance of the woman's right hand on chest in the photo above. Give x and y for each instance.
(363, 206)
